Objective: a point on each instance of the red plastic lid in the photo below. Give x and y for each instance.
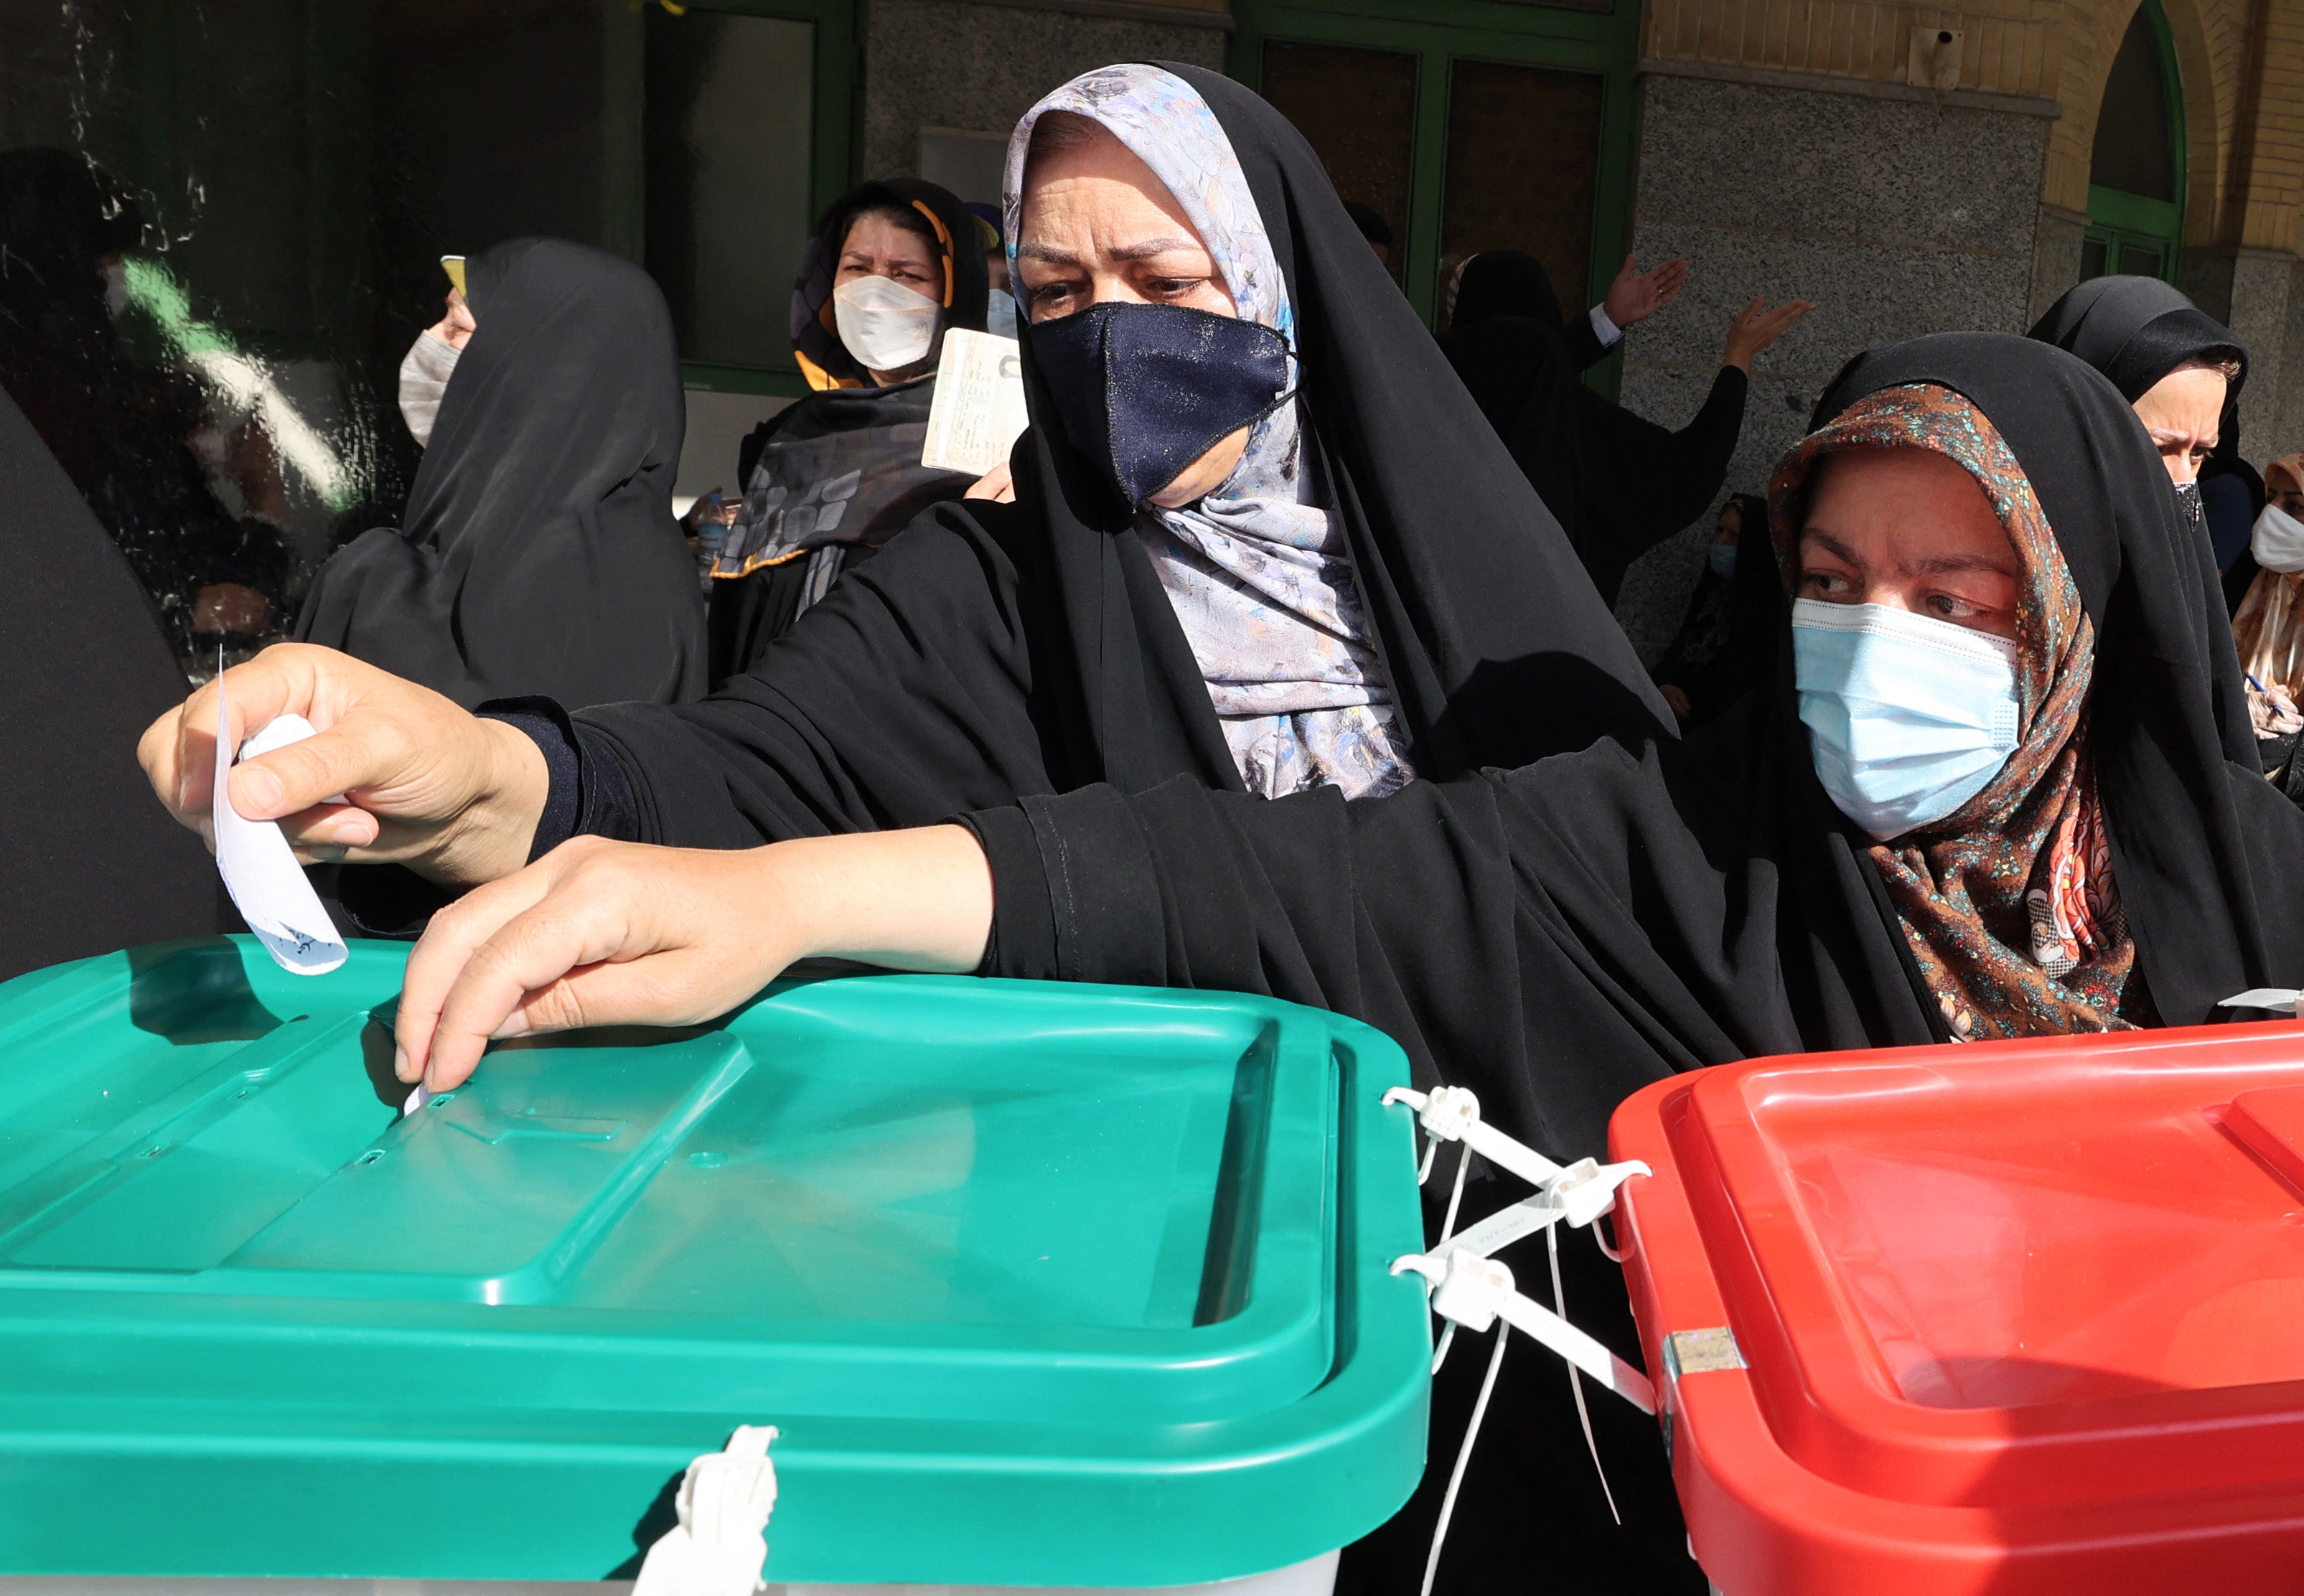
(2011, 1316)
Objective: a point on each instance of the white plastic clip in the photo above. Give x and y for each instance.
(719, 1547)
(1475, 1292)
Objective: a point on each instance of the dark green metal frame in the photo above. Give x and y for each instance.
(839, 80)
(2118, 220)
(1604, 42)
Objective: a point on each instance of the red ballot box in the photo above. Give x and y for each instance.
(2010, 1317)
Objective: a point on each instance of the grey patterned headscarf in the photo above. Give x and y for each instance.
(1257, 570)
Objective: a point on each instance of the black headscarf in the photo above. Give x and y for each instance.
(847, 426)
(2135, 331)
(89, 863)
(1557, 936)
(995, 650)
(1619, 484)
(1505, 282)
(539, 552)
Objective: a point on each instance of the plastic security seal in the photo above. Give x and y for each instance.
(719, 1546)
(1469, 1288)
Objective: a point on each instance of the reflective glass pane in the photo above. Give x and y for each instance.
(730, 118)
(2092, 258)
(2135, 145)
(1358, 109)
(1523, 168)
(2141, 259)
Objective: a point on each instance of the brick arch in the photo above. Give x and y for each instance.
(2092, 31)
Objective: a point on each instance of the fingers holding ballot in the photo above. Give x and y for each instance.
(421, 781)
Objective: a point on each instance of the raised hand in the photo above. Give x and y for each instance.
(1636, 295)
(1756, 328)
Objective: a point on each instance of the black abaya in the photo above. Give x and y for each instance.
(1618, 484)
(1557, 936)
(993, 650)
(89, 863)
(539, 552)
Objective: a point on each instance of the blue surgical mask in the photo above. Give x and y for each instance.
(1908, 717)
(1146, 390)
(1723, 556)
(1000, 314)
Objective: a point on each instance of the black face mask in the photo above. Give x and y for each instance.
(1146, 390)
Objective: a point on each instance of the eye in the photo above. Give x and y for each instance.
(1825, 585)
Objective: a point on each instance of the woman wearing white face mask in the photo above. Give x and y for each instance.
(2269, 629)
(890, 265)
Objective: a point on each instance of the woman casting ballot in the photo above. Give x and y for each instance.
(1980, 794)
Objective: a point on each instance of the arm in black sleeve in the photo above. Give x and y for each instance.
(903, 696)
(1455, 916)
(1585, 349)
(1647, 483)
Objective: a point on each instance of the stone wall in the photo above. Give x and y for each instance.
(1897, 216)
(954, 64)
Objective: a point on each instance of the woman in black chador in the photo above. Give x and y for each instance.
(891, 266)
(538, 554)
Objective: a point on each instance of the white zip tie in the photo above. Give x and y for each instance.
(1575, 1379)
(1463, 1458)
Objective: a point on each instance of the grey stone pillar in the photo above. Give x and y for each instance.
(1898, 216)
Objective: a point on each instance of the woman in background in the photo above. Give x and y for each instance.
(1727, 641)
(539, 553)
(1618, 483)
(891, 265)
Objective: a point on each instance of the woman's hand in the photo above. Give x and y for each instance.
(454, 797)
(598, 933)
(1757, 327)
(997, 485)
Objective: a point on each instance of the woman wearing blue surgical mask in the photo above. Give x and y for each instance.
(1727, 639)
(1981, 795)
(827, 481)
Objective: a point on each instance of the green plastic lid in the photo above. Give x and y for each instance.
(1042, 1284)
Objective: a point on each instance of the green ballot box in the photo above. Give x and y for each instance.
(1042, 1285)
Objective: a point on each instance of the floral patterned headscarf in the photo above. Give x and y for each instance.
(2008, 903)
(1257, 571)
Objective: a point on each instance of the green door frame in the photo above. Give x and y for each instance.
(2118, 220)
(838, 78)
(1604, 42)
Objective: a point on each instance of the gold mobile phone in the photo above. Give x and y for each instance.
(454, 264)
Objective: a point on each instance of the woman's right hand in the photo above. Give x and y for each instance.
(1757, 327)
(429, 785)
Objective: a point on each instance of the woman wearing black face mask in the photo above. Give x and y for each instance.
(1298, 557)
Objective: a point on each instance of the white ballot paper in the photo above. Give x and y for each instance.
(259, 869)
(979, 403)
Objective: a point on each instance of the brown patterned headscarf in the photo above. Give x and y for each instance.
(2008, 903)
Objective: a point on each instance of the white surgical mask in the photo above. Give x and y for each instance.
(1909, 717)
(884, 324)
(1000, 314)
(2278, 541)
(424, 375)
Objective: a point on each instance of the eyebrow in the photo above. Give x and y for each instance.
(1934, 565)
(1147, 251)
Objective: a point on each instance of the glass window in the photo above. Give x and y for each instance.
(730, 119)
(1358, 109)
(2092, 258)
(2135, 144)
(1523, 166)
